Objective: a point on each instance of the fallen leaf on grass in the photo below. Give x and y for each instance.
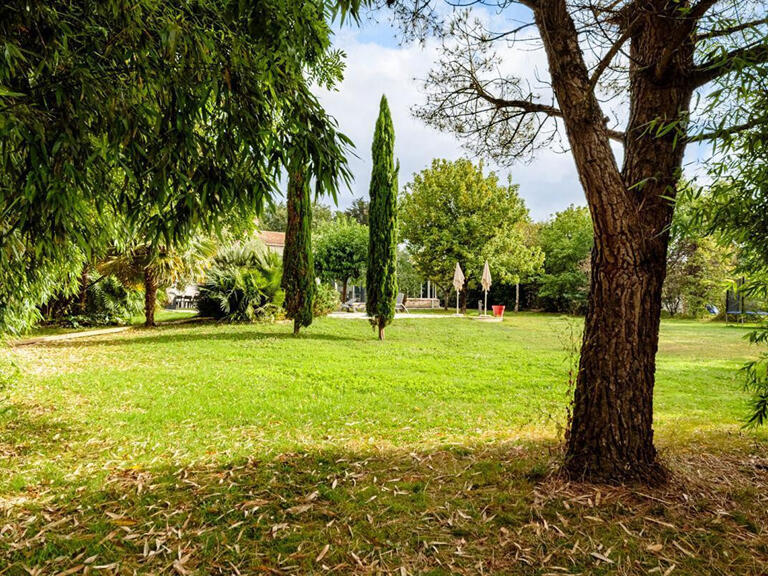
(323, 552)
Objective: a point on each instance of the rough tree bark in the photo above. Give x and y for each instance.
(611, 436)
(150, 296)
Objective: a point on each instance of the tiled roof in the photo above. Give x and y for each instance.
(272, 238)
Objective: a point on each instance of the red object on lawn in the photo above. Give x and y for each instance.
(498, 310)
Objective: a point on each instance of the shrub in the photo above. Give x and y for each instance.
(327, 300)
(243, 284)
(107, 302)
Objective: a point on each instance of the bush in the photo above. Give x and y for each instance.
(327, 300)
(243, 284)
(107, 303)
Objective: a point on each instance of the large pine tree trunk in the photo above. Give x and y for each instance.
(611, 435)
(150, 297)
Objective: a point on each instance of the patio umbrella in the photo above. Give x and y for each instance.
(458, 283)
(486, 282)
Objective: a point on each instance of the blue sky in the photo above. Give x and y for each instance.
(377, 63)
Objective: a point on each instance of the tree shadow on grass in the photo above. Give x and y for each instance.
(462, 510)
(184, 334)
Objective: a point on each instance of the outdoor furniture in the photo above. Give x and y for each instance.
(400, 304)
(350, 305)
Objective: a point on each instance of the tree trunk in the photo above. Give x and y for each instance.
(150, 297)
(517, 297)
(83, 296)
(382, 325)
(611, 435)
(344, 291)
(463, 298)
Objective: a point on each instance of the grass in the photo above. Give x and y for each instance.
(199, 448)
(162, 315)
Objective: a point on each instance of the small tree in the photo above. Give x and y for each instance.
(298, 267)
(381, 278)
(341, 251)
(155, 267)
(566, 240)
(358, 211)
(453, 212)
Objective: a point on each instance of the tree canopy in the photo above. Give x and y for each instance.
(566, 240)
(381, 271)
(453, 212)
(341, 251)
(152, 109)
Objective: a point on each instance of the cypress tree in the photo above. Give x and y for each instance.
(381, 276)
(298, 268)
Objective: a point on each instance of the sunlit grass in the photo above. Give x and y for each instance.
(218, 391)
(213, 448)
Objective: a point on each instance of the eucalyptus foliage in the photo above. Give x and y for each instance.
(173, 114)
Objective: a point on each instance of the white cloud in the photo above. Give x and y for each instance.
(549, 183)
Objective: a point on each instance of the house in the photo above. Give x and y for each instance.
(275, 241)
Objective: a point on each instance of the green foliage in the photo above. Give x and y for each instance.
(341, 250)
(734, 208)
(566, 241)
(699, 264)
(298, 264)
(275, 216)
(107, 302)
(242, 285)
(756, 379)
(409, 280)
(175, 115)
(358, 211)
(327, 300)
(452, 212)
(381, 273)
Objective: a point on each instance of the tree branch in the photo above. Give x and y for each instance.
(606, 60)
(524, 105)
(731, 29)
(719, 66)
(698, 11)
(728, 131)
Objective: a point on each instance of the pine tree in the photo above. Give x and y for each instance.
(381, 277)
(298, 267)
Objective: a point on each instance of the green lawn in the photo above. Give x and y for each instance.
(162, 315)
(247, 412)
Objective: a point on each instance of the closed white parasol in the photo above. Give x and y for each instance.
(486, 282)
(458, 283)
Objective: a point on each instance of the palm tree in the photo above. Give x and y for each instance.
(153, 267)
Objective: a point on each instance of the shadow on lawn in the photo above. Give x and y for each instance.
(186, 333)
(454, 511)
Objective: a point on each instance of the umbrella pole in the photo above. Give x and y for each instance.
(457, 302)
(485, 305)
